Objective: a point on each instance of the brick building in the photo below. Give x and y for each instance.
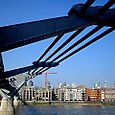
(93, 94)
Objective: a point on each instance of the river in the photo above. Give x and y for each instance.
(66, 110)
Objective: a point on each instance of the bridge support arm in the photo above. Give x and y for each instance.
(1, 64)
(35, 65)
(22, 34)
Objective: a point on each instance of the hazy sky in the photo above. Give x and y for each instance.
(93, 64)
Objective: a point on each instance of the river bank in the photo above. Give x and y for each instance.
(75, 103)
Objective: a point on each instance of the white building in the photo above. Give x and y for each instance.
(70, 93)
(44, 94)
(81, 96)
(28, 92)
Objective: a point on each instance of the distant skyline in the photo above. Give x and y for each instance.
(95, 63)
(97, 84)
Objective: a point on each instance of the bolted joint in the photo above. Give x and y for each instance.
(95, 14)
(45, 64)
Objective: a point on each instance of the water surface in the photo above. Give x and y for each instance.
(66, 110)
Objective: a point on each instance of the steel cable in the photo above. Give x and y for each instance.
(83, 10)
(48, 49)
(82, 47)
(101, 11)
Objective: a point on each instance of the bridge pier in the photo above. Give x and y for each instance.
(6, 107)
(15, 102)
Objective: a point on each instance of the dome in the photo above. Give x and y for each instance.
(30, 83)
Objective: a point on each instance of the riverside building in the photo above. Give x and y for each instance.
(44, 94)
(32, 93)
(66, 92)
(110, 94)
(93, 94)
(28, 92)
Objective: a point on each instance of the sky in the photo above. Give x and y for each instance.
(95, 63)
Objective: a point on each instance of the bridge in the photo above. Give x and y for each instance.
(80, 16)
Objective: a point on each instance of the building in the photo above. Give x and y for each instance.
(44, 94)
(70, 94)
(66, 92)
(81, 95)
(93, 94)
(29, 92)
(110, 94)
(60, 90)
(102, 94)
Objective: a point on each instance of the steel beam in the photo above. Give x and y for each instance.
(22, 34)
(1, 64)
(35, 65)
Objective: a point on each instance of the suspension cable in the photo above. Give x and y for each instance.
(101, 11)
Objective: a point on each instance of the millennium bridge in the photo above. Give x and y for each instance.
(79, 17)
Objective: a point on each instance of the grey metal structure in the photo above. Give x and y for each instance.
(79, 18)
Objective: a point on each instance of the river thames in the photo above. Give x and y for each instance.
(66, 110)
